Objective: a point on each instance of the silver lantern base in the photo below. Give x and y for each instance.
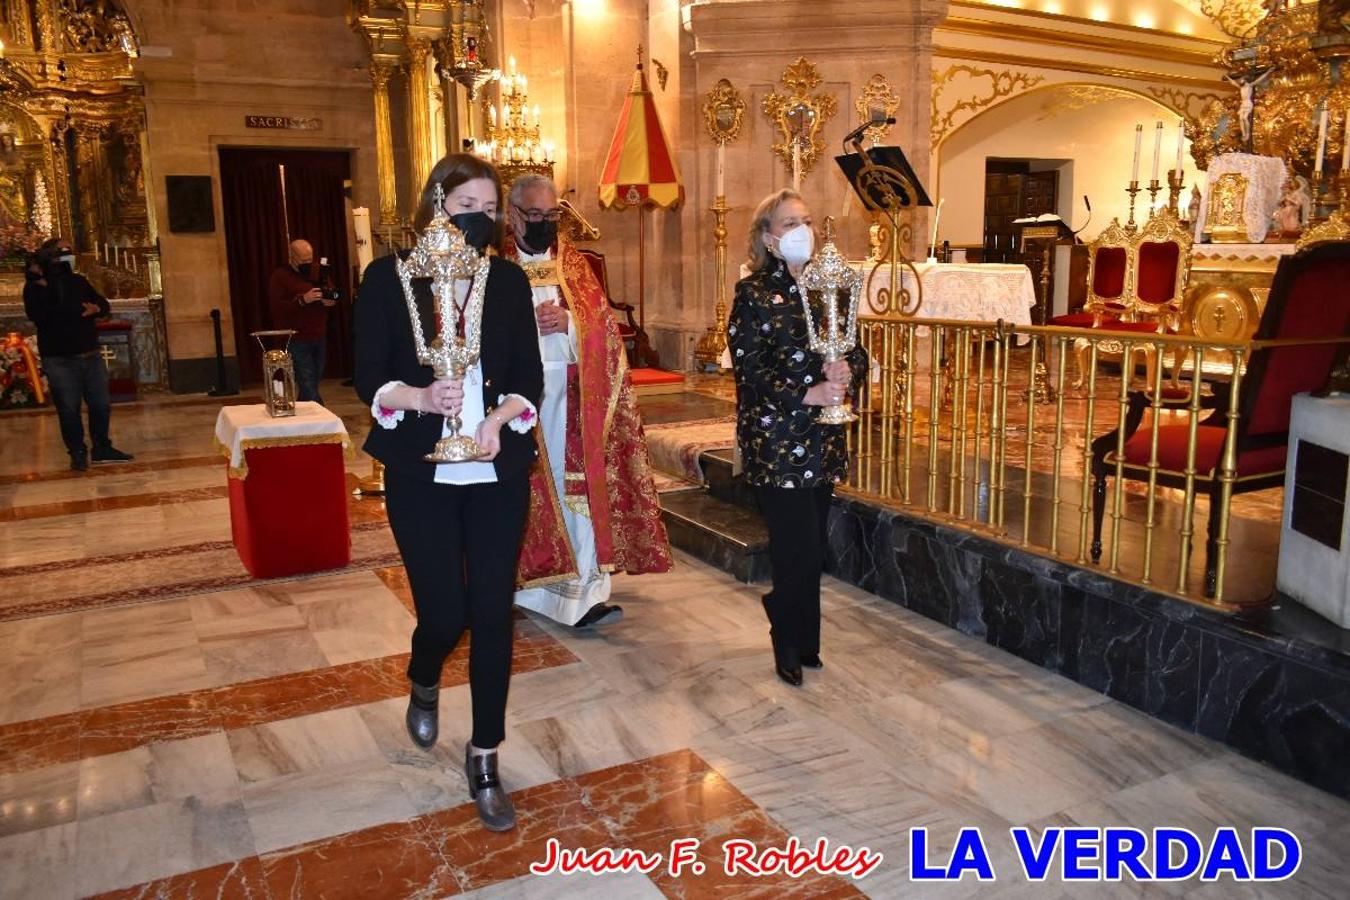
(838, 414)
(455, 449)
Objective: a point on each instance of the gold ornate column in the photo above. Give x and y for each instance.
(91, 167)
(450, 97)
(381, 69)
(420, 146)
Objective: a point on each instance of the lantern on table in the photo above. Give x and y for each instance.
(278, 373)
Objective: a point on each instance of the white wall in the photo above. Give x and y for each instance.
(1087, 130)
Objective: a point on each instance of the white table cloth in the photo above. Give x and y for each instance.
(240, 428)
(975, 292)
(1265, 186)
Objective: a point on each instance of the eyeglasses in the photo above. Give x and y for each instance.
(536, 215)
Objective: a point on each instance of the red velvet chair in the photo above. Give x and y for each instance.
(635, 341)
(1308, 299)
(1110, 266)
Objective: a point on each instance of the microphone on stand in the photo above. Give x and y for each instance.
(875, 116)
(1088, 204)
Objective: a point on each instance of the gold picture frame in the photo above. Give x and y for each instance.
(723, 112)
(799, 117)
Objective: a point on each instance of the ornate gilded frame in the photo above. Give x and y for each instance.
(1162, 227)
(877, 94)
(723, 112)
(1112, 236)
(799, 116)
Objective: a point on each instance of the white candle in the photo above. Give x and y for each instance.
(512, 63)
(1181, 137)
(1157, 150)
(536, 115)
(1345, 144)
(936, 219)
(1321, 137)
(796, 165)
(492, 117)
(134, 267)
(1134, 166)
(721, 169)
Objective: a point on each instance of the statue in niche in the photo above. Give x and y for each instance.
(1295, 206)
(13, 180)
(1193, 211)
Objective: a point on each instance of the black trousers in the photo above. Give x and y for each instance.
(797, 520)
(76, 379)
(459, 545)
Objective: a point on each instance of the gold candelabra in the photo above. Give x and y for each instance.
(1175, 183)
(1133, 191)
(514, 141)
(713, 344)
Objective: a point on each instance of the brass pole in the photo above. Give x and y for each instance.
(934, 412)
(1118, 493)
(910, 331)
(958, 501)
(1062, 345)
(1227, 473)
(889, 418)
(1005, 338)
(1085, 501)
(1188, 503)
(1150, 506)
(714, 341)
(979, 429)
(1030, 446)
(995, 426)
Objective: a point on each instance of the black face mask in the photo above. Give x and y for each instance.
(539, 236)
(477, 228)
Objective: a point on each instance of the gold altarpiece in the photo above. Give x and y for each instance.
(72, 159)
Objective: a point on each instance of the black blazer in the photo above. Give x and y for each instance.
(509, 358)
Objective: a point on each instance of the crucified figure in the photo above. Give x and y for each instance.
(1247, 102)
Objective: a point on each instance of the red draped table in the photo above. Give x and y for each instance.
(288, 489)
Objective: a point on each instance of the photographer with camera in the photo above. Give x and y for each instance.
(64, 307)
(300, 295)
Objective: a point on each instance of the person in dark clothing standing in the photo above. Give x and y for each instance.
(64, 307)
(300, 298)
(792, 461)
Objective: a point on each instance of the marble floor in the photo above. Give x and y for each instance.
(171, 728)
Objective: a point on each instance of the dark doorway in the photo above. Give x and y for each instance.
(1013, 191)
(269, 198)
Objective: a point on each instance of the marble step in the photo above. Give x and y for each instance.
(726, 535)
(717, 466)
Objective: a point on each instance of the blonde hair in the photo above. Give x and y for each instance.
(758, 254)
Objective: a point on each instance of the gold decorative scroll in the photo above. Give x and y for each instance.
(877, 94)
(1236, 18)
(1002, 84)
(723, 112)
(799, 116)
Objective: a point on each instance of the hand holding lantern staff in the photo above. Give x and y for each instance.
(828, 276)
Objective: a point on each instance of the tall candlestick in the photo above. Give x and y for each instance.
(1321, 137)
(1157, 149)
(1181, 138)
(512, 64)
(721, 169)
(1138, 139)
(937, 218)
(796, 165)
(1345, 144)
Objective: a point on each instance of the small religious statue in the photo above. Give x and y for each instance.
(1247, 102)
(1193, 211)
(1295, 206)
(13, 180)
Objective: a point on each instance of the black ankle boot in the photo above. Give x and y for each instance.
(424, 715)
(786, 661)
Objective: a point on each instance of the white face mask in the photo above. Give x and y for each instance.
(68, 259)
(795, 246)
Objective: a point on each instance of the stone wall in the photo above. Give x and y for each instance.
(205, 65)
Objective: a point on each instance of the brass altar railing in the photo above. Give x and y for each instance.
(954, 427)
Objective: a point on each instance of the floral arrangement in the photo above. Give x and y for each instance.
(19, 240)
(21, 381)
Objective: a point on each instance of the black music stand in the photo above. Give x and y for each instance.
(872, 191)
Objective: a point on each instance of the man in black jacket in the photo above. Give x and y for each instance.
(63, 306)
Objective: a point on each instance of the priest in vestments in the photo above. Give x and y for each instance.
(593, 506)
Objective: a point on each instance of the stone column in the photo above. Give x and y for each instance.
(381, 69)
(420, 147)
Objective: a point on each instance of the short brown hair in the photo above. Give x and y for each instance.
(453, 170)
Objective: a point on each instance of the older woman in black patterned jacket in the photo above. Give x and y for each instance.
(792, 461)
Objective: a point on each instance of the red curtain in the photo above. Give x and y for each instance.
(258, 227)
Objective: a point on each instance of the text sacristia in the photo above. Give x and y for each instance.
(1068, 854)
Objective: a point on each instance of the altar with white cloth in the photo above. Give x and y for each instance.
(974, 292)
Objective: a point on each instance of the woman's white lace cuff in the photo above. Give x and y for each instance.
(386, 417)
(526, 420)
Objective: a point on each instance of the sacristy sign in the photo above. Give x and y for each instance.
(286, 123)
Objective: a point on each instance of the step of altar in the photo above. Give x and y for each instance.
(726, 535)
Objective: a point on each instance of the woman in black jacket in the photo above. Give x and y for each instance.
(791, 460)
(458, 525)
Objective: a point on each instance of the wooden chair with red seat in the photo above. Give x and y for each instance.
(635, 341)
(1110, 274)
(1162, 268)
(1308, 299)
